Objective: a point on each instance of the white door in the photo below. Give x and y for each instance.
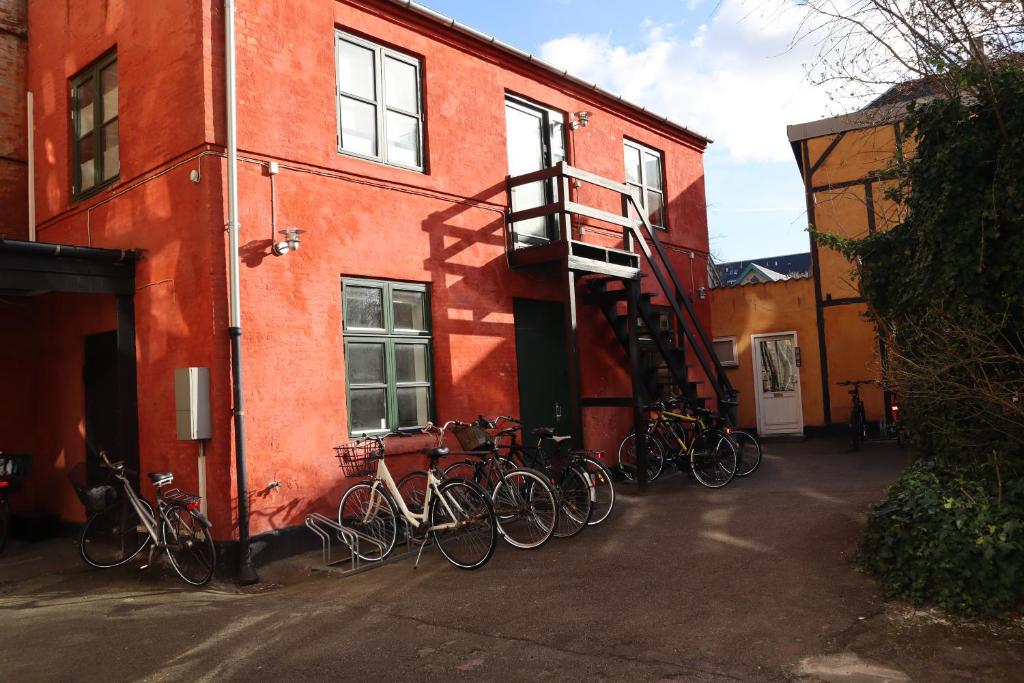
(777, 384)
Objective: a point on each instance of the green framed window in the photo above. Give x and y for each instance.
(380, 103)
(388, 355)
(645, 175)
(95, 138)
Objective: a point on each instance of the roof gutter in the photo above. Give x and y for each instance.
(482, 37)
(66, 251)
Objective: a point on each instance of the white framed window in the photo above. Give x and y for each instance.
(645, 175)
(725, 349)
(380, 103)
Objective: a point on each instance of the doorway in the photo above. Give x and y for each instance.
(777, 383)
(102, 418)
(542, 365)
(536, 140)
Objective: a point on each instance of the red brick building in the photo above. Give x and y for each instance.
(386, 133)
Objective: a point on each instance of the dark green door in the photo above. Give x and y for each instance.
(543, 367)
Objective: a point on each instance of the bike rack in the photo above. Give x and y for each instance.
(326, 528)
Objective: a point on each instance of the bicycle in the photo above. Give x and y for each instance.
(601, 485)
(748, 447)
(13, 468)
(708, 452)
(121, 527)
(858, 420)
(457, 514)
(525, 502)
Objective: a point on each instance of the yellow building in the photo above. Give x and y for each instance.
(789, 342)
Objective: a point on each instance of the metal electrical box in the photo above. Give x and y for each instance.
(192, 403)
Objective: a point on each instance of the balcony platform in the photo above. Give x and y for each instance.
(579, 257)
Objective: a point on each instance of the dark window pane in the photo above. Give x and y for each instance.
(364, 307)
(108, 81)
(400, 85)
(413, 406)
(368, 410)
(356, 70)
(655, 208)
(111, 151)
(358, 127)
(652, 170)
(86, 107)
(724, 350)
(409, 310)
(632, 164)
(403, 139)
(87, 162)
(411, 363)
(365, 363)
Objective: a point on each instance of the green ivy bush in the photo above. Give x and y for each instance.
(943, 536)
(946, 287)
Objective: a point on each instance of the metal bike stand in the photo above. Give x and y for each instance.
(325, 528)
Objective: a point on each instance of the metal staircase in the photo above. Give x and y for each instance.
(666, 344)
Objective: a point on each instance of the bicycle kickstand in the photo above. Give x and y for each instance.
(149, 562)
(416, 564)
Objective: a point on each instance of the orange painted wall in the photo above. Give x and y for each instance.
(784, 306)
(443, 227)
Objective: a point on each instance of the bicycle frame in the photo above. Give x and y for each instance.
(683, 445)
(383, 476)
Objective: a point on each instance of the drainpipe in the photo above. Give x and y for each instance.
(31, 169)
(246, 572)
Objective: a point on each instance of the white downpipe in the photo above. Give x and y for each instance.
(235, 314)
(31, 168)
(202, 476)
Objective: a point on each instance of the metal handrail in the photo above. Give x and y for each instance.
(631, 233)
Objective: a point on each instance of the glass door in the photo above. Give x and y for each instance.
(535, 139)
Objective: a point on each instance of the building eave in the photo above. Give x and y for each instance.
(527, 57)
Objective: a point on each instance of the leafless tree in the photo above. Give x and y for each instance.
(867, 46)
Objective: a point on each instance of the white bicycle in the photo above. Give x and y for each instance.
(457, 514)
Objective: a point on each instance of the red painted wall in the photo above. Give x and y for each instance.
(443, 227)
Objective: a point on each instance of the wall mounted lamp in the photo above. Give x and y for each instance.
(290, 242)
(703, 292)
(582, 119)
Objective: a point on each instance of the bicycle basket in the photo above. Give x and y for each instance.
(473, 438)
(356, 458)
(96, 497)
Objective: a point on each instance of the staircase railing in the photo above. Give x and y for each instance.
(633, 233)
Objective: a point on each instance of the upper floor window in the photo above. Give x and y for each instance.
(380, 108)
(95, 140)
(644, 175)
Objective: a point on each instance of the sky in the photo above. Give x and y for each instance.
(725, 68)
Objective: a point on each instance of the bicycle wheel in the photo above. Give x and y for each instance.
(413, 487)
(748, 452)
(602, 489)
(463, 469)
(113, 536)
(370, 514)
(713, 459)
(575, 504)
(627, 458)
(856, 430)
(5, 521)
(469, 542)
(525, 508)
(186, 538)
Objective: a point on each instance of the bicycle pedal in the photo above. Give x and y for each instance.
(143, 567)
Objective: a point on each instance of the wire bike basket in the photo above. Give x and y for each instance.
(356, 458)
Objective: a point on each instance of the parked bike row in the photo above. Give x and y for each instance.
(693, 439)
(495, 488)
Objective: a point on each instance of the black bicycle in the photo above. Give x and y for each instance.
(13, 469)
(858, 420)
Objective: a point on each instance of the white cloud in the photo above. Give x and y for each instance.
(734, 79)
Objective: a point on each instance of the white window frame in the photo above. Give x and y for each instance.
(380, 102)
(644, 185)
(735, 362)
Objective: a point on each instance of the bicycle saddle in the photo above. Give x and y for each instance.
(560, 439)
(543, 431)
(435, 453)
(161, 478)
